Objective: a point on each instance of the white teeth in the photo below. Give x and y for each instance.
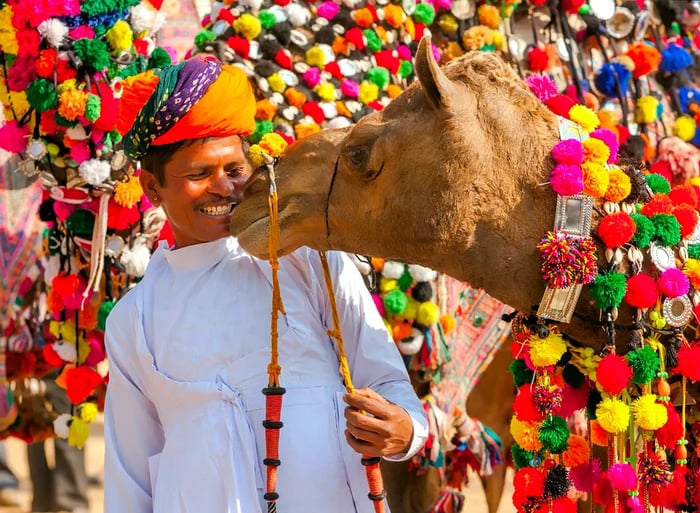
(218, 210)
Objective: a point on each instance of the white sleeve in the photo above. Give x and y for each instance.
(374, 359)
(133, 432)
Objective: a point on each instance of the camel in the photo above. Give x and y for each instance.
(451, 174)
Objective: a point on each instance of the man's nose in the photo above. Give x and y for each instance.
(222, 184)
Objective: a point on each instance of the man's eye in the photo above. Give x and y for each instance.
(236, 171)
(197, 176)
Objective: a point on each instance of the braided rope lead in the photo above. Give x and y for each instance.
(273, 392)
(374, 476)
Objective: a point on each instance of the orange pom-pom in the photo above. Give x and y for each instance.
(447, 322)
(659, 204)
(578, 452)
(683, 194)
(598, 435)
(646, 59)
(616, 229)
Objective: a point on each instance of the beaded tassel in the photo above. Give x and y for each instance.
(374, 475)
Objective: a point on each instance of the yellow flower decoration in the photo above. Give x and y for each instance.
(247, 26)
(276, 83)
(595, 150)
(547, 351)
(128, 192)
(68, 332)
(325, 91)
(477, 37)
(8, 39)
(647, 108)
(692, 271)
(595, 179)
(273, 144)
(584, 117)
(648, 414)
(255, 154)
(613, 415)
(88, 412)
(315, 57)
(619, 186)
(71, 104)
(525, 434)
(120, 37)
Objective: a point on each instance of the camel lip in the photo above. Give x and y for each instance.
(248, 226)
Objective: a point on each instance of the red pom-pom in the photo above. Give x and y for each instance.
(642, 291)
(376, 105)
(616, 229)
(240, 45)
(659, 204)
(65, 284)
(537, 59)
(51, 356)
(571, 6)
(284, 58)
(661, 167)
(676, 489)
(560, 104)
(689, 362)
(529, 481)
(602, 490)
(109, 107)
(672, 431)
(334, 69)
(314, 110)
(687, 217)
(524, 406)
(356, 37)
(683, 194)
(386, 59)
(81, 382)
(613, 373)
(121, 218)
(226, 15)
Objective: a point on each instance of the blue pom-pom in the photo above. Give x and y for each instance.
(605, 79)
(675, 59)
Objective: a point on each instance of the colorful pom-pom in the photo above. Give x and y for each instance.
(616, 229)
(613, 373)
(642, 291)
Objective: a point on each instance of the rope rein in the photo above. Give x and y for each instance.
(274, 392)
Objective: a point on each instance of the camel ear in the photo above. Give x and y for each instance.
(436, 86)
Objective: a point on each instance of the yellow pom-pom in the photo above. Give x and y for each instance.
(547, 351)
(68, 332)
(247, 26)
(88, 412)
(477, 37)
(276, 83)
(447, 23)
(577, 453)
(8, 39)
(128, 192)
(428, 313)
(595, 179)
(255, 155)
(647, 109)
(613, 415)
(596, 151)
(325, 91)
(273, 144)
(619, 185)
(315, 56)
(692, 271)
(304, 129)
(525, 434)
(648, 414)
(71, 104)
(684, 128)
(78, 432)
(488, 15)
(584, 117)
(411, 310)
(368, 92)
(499, 41)
(448, 323)
(120, 36)
(55, 329)
(387, 285)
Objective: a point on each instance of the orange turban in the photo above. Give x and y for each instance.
(195, 99)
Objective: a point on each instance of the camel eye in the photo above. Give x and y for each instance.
(358, 156)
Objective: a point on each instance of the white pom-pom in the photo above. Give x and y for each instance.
(144, 19)
(392, 270)
(54, 31)
(420, 273)
(61, 425)
(339, 122)
(77, 132)
(412, 344)
(297, 15)
(65, 350)
(135, 260)
(94, 171)
(52, 266)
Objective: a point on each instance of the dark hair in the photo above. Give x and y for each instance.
(157, 157)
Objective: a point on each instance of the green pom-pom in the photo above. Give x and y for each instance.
(93, 107)
(405, 69)
(267, 19)
(554, 434)
(115, 136)
(103, 312)
(203, 38)
(667, 229)
(374, 43)
(42, 96)
(159, 59)
(395, 302)
(608, 289)
(425, 13)
(594, 398)
(261, 128)
(81, 223)
(573, 376)
(658, 184)
(645, 363)
(93, 53)
(644, 231)
(694, 251)
(61, 121)
(405, 280)
(521, 457)
(521, 373)
(380, 77)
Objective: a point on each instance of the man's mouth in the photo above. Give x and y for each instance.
(218, 210)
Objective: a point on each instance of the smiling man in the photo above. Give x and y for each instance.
(189, 345)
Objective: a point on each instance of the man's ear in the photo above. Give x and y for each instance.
(150, 186)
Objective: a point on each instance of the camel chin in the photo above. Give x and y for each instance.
(253, 237)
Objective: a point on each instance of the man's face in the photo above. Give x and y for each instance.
(203, 184)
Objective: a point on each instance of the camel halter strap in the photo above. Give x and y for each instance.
(273, 392)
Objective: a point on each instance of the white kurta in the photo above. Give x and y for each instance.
(188, 350)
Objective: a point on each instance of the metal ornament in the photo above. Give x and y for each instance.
(677, 311)
(541, 17)
(36, 149)
(694, 237)
(114, 246)
(662, 257)
(516, 47)
(602, 9)
(119, 160)
(462, 9)
(640, 28)
(621, 24)
(559, 304)
(28, 168)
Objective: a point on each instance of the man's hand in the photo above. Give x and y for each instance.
(388, 431)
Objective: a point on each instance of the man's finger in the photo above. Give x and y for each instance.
(362, 421)
(377, 406)
(361, 447)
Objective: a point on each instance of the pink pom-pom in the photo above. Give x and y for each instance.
(542, 86)
(97, 354)
(642, 291)
(350, 88)
(610, 140)
(80, 152)
(622, 477)
(63, 210)
(312, 77)
(673, 283)
(404, 52)
(585, 475)
(327, 10)
(82, 32)
(13, 138)
(613, 373)
(634, 504)
(379, 303)
(573, 399)
(568, 151)
(566, 179)
(76, 301)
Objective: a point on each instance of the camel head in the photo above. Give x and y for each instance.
(412, 182)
